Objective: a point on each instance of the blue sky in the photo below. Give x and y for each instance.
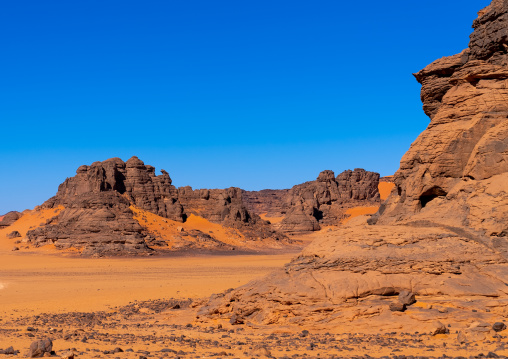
(254, 94)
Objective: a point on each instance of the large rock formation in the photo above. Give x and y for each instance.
(133, 179)
(97, 215)
(442, 232)
(307, 206)
(323, 201)
(456, 172)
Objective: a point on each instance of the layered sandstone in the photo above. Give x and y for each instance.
(98, 219)
(456, 172)
(440, 235)
(324, 201)
(106, 205)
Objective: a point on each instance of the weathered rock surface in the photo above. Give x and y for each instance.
(358, 262)
(40, 347)
(308, 206)
(97, 217)
(99, 223)
(133, 179)
(9, 219)
(440, 234)
(323, 201)
(456, 172)
(271, 202)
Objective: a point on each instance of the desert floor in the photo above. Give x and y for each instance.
(146, 307)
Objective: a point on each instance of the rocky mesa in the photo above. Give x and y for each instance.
(117, 208)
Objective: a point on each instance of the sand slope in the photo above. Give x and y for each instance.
(31, 219)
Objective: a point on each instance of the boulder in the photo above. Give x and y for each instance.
(40, 347)
(397, 307)
(498, 326)
(10, 218)
(439, 328)
(407, 298)
(14, 234)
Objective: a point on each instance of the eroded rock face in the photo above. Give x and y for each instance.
(98, 223)
(97, 216)
(456, 172)
(133, 179)
(226, 207)
(308, 206)
(323, 201)
(268, 201)
(9, 219)
(441, 233)
(347, 268)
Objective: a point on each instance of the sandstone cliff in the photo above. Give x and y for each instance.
(456, 172)
(308, 206)
(440, 235)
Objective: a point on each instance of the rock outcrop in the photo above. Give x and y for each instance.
(271, 202)
(308, 206)
(441, 234)
(456, 172)
(97, 216)
(98, 223)
(9, 219)
(133, 179)
(323, 201)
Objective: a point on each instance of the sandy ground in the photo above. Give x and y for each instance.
(35, 283)
(31, 219)
(384, 189)
(272, 220)
(97, 305)
(359, 211)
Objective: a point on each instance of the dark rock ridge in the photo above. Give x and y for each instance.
(307, 206)
(440, 235)
(97, 217)
(100, 223)
(134, 180)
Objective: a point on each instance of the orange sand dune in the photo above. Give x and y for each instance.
(385, 188)
(384, 191)
(359, 211)
(272, 220)
(2, 217)
(170, 231)
(30, 220)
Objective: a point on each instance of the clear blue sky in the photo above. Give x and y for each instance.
(254, 94)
